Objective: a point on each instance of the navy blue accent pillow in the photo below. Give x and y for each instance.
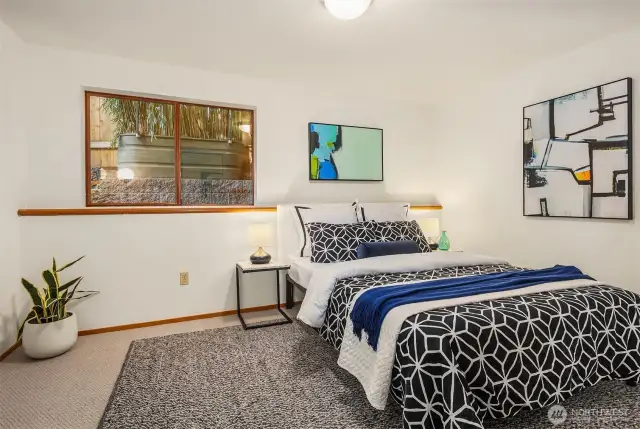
(370, 250)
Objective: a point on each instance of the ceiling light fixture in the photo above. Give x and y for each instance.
(347, 9)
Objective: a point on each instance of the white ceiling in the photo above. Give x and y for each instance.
(418, 50)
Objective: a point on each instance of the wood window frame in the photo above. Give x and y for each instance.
(177, 157)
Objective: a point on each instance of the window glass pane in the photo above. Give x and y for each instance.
(132, 152)
(216, 147)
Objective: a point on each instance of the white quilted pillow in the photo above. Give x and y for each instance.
(326, 213)
(383, 212)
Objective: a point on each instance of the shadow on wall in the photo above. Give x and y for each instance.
(9, 323)
(7, 332)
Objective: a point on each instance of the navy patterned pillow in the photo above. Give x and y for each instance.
(399, 231)
(332, 242)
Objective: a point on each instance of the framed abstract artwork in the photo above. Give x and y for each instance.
(345, 153)
(577, 154)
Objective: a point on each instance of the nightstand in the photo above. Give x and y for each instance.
(247, 267)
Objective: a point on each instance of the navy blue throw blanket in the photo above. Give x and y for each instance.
(373, 305)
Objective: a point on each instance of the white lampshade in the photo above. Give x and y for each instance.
(430, 226)
(261, 234)
(347, 9)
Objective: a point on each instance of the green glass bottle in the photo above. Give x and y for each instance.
(444, 244)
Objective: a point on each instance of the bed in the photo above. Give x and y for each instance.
(453, 363)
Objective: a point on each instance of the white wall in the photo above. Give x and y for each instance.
(479, 145)
(11, 299)
(56, 77)
(467, 154)
(134, 261)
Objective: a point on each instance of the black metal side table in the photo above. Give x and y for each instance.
(247, 267)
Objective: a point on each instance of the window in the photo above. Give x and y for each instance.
(143, 151)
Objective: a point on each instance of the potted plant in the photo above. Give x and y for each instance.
(49, 329)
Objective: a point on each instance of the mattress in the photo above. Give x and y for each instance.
(433, 367)
(301, 270)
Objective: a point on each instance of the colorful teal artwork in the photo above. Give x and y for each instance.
(340, 152)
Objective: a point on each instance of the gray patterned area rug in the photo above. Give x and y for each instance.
(286, 377)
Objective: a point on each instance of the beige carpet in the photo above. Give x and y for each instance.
(72, 390)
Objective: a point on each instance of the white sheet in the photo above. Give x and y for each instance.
(374, 369)
(302, 269)
(323, 279)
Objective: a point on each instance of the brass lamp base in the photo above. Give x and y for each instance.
(260, 257)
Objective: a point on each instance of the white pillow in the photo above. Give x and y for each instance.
(327, 213)
(383, 212)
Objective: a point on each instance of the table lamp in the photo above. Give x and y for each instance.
(260, 235)
(430, 228)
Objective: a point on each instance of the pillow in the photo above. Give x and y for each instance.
(326, 213)
(399, 231)
(371, 250)
(383, 212)
(332, 242)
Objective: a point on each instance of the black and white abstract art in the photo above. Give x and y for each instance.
(577, 154)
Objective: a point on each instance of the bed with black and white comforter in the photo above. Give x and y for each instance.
(453, 366)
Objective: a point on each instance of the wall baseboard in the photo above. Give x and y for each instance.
(10, 350)
(178, 319)
(157, 323)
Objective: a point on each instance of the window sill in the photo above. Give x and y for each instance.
(436, 207)
(105, 211)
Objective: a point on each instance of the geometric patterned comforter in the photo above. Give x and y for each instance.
(456, 366)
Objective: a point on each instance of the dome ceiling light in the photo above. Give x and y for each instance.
(347, 9)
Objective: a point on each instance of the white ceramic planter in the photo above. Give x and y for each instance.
(41, 341)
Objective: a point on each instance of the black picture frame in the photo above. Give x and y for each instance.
(312, 146)
(629, 189)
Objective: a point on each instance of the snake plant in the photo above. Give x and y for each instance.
(50, 303)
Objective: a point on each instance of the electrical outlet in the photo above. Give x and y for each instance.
(184, 279)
